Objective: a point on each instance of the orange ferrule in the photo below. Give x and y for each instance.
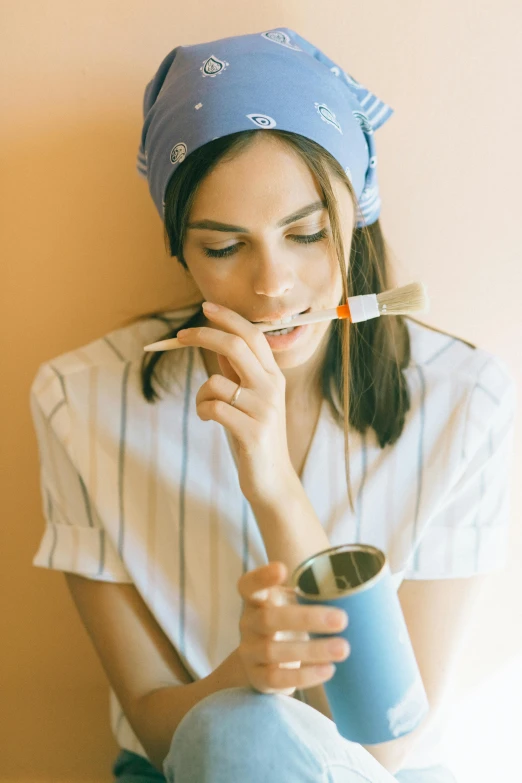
(343, 311)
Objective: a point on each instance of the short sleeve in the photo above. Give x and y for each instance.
(74, 538)
(469, 532)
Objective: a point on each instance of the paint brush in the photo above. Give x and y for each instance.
(407, 299)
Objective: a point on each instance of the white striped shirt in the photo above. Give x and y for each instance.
(148, 494)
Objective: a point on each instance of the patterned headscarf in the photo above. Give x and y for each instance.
(272, 79)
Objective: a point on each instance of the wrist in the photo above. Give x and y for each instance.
(230, 673)
(279, 490)
(289, 525)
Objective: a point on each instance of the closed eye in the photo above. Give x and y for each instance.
(304, 239)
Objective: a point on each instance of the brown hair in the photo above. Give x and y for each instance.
(372, 354)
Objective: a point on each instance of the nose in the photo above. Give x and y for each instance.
(273, 275)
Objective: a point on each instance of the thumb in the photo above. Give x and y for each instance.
(273, 575)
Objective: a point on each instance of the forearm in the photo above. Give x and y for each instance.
(291, 533)
(158, 714)
(393, 754)
(288, 524)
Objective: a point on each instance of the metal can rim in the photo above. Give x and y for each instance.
(294, 579)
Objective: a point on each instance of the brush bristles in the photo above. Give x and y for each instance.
(411, 298)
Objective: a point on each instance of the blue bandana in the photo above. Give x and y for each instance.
(273, 79)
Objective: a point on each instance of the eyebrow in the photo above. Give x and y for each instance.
(213, 225)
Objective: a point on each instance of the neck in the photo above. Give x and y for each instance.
(303, 383)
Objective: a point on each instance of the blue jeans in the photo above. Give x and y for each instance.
(237, 735)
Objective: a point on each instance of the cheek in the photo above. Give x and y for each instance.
(211, 279)
(328, 277)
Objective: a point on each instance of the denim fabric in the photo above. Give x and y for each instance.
(239, 736)
(129, 767)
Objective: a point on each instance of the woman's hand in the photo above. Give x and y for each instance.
(263, 621)
(257, 421)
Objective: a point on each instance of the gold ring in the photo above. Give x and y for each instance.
(236, 395)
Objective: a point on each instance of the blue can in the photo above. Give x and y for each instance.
(376, 693)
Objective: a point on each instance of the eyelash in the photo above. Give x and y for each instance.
(303, 239)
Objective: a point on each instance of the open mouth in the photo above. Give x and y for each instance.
(287, 320)
(288, 336)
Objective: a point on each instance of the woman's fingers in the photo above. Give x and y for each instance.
(273, 679)
(267, 619)
(257, 421)
(251, 584)
(314, 652)
(242, 359)
(233, 322)
(218, 387)
(227, 370)
(275, 648)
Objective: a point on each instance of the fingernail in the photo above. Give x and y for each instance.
(337, 647)
(209, 307)
(260, 595)
(336, 619)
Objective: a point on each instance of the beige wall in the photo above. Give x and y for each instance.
(82, 249)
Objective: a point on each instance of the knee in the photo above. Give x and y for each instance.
(226, 714)
(237, 731)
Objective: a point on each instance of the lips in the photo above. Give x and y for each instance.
(276, 318)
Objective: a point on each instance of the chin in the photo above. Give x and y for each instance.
(304, 350)
(301, 355)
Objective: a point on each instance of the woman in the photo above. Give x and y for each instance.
(171, 514)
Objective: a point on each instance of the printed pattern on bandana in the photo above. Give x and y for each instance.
(209, 90)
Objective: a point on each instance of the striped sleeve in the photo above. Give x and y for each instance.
(74, 539)
(469, 532)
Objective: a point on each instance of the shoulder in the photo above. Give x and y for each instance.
(441, 354)
(119, 347)
(453, 373)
